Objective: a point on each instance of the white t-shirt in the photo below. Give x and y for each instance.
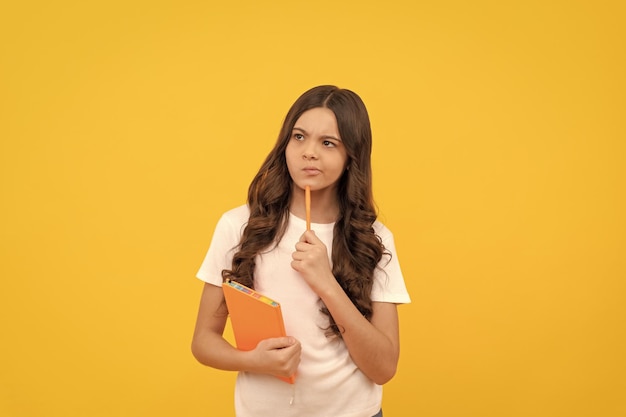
(328, 383)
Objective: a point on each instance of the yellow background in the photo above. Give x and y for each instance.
(128, 127)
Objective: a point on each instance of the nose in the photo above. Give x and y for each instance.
(309, 152)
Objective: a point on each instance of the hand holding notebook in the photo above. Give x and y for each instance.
(254, 317)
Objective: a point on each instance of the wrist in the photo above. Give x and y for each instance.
(330, 290)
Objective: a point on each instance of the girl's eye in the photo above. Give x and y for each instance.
(298, 136)
(328, 144)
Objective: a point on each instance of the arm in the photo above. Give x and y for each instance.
(278, 356)
(374, 346)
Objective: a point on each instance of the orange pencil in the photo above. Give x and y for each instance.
(307, 206)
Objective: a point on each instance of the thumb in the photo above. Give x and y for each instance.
(280, 342)
(309, 236)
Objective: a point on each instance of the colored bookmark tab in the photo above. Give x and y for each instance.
(307, 206)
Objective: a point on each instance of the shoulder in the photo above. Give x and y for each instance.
(382, 231)
(233, 221)
(237, 215)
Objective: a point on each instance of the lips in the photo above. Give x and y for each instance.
(311, 170)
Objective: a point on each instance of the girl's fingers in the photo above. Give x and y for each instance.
(302, 246)
(279, 342)
(309, 236)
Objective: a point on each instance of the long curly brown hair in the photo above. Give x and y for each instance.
(356, 249)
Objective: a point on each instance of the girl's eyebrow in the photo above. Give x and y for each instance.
(323, 136)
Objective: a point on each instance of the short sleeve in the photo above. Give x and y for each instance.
(389, 283)
(223, 246)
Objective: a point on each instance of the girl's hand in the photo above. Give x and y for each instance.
(278, 356)
(311, 260)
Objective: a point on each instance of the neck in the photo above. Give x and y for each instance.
(324, 205)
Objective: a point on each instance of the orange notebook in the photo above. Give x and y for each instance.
(253, 316)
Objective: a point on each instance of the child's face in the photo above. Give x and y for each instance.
(315, 153)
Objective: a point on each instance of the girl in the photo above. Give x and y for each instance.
(338, 284)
